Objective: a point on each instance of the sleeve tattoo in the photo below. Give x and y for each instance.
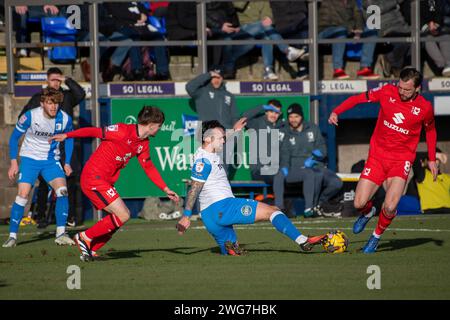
(193, 193)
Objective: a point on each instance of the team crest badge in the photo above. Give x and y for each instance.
(310, 136)
(415, 111)
(23, 119)
(292, 141)
(246, 210)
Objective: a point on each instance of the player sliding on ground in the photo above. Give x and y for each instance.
(120, 143)
(219, 208)
(393, 147)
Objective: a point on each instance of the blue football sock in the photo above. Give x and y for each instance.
(284, 225)
(61, 210)
(17, 211)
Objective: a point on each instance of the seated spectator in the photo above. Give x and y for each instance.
(256, 23)
(393, 24)
(130, 21)
(181, 21)
(432, 20)
(266, 117)
(297, 138)
(337, 19)
(434, 195)
(291, 22)
(22, 14)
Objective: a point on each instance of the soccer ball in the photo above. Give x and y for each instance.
(336, 242)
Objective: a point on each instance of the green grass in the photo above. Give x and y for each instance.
(150, 261)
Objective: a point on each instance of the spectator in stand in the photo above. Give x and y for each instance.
(256, 23)
(181, 21)
(71, 98)
(338, 19)
(432, 18)
(159, 9)
(21, 16)
(181, 24)
(293, 155)
(130, 20)
(266, 119)
(291, 22)
(222, 22)
(212, 101)
(393, 24)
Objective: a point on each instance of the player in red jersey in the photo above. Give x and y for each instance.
(393, 146)
(120, 143)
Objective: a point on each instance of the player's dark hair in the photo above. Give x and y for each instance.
(51, 94)
(54, 70)
(207, 127)
(150, 114)
(275, 103)
(409, 73)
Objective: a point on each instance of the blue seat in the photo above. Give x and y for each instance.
(56, 30)
(353, 51)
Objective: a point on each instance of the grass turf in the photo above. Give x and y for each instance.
(149, 260)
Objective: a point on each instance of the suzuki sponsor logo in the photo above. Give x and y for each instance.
(398, 118)
(396, 128)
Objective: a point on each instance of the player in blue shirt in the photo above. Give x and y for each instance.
(38, 156)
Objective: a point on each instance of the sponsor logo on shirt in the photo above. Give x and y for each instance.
(392, 100)
(396, 128)
(58, 127)
(43, 134)
(211, 95)
(228, 100)
(398, 118)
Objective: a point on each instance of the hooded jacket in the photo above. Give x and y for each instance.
(211, 103)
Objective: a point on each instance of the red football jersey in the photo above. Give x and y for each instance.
(120, 143)
(399, 123)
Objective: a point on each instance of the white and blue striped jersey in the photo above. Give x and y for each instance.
(208, 168)
(37, 129)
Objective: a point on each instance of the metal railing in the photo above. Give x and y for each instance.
(202, 43)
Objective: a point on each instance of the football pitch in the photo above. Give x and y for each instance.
(149, 260)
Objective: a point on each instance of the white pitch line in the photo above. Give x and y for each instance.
(261, 225)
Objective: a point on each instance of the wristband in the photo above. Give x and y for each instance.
(187, 212)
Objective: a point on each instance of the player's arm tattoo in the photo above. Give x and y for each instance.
(193, 193)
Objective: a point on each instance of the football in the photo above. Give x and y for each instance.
(336, 242)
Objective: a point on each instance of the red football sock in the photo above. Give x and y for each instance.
(105, 226)
(383, 223)
(99, 242)
(366, 209)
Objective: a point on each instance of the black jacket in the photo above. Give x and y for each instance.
(289, 16)
(72, 98)
(125, 14)
(217, 13)
(181, 21)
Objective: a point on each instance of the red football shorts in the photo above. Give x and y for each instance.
(100, 192)
(377, 170)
